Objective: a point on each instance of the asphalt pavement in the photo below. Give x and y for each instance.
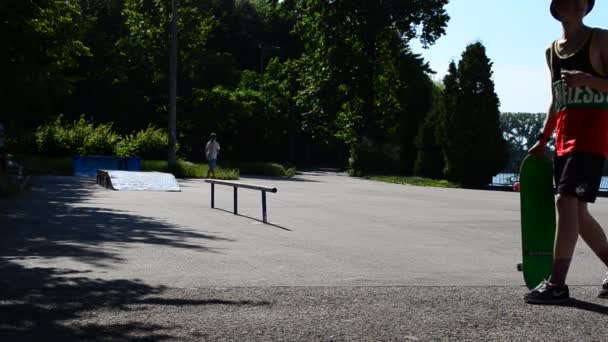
(343, 259)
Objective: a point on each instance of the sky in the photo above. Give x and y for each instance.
(516, 34)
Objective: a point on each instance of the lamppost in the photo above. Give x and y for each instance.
(172, 160)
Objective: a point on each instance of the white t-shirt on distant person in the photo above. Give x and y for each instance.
(212, 150)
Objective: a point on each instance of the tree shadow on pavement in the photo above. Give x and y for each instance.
(255, 219)
(52, 307)
(51, 222)
(49, 305)
(54, 304)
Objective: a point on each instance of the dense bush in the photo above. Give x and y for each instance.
(63, 139)
(151, 143)
(44, 165)
(368, 159)
(59, 138)
(263, 169)
(185, 169)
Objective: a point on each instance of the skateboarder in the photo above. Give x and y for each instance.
(578, 62)
(212, 149)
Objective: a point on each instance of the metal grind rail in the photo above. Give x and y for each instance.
(236, 186)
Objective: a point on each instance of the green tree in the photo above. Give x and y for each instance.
(430, 159)
(474, 146)
(219, 48)
(281, 86)
(353, 49)
(44, 45)
(417, 98)
(101, 83)
(520, 131)
(146, 47)
(343, 73)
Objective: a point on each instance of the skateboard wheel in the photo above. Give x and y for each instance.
(520, 267)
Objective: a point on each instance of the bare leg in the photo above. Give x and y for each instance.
(592, 233)
(566, 237)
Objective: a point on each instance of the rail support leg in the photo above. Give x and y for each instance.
(264, 206)
(236, 199)
(212, 195)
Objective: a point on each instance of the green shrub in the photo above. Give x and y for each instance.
(150, 143)
(291, 172)
(100, 140)
(43, 165)
(185, 169)
(59, 138)
(368, 158)
(262, 169)
(51, 138)
(416, 181)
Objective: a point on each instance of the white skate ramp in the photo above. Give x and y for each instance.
(137, 181)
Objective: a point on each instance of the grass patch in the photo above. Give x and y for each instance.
(262, 169)
(41, 165)
(417, 181)
(185, 169)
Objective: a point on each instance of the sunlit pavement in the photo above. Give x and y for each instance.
(343, 259)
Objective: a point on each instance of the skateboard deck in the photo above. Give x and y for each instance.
(537, 201)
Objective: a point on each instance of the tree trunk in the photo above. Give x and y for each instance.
(172, 159)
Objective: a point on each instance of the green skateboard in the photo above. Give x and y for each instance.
(537, 202)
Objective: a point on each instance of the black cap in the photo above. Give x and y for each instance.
(556, 16)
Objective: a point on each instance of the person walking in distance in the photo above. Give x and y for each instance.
(578, 63)
(212, 149)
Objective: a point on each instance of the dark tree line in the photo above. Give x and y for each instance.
(305, 82)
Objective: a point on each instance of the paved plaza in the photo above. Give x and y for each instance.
(343, 259)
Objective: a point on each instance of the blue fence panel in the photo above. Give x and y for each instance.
(87, 166)
(133, 163)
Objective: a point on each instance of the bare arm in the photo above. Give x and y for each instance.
(550, 121)
(549, 125)
(539, 148)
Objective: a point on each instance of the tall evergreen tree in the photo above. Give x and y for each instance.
(418, 103)
(429, 157)
(474, 146)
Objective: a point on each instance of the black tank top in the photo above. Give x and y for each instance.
(582, 112)
(580, 60)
